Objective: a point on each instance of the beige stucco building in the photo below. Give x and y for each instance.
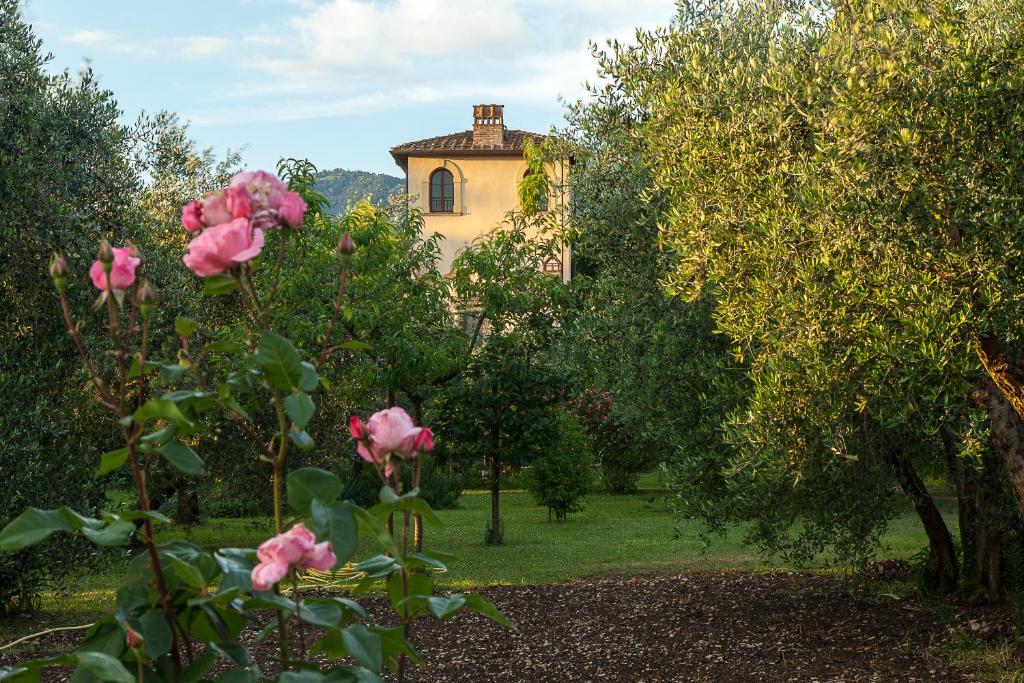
(464, 183)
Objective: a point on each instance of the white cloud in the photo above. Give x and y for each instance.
(332, 57)
(192, 47)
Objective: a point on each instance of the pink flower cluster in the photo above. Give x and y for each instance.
(297, 548)
(389, 432)
(122, 270)
(230, 222)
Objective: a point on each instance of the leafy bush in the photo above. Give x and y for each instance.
(441, 484)
(562, 474)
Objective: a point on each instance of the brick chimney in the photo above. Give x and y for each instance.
(488, 125)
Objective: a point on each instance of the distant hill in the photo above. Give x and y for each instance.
(344, 188)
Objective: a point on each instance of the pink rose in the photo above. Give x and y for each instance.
(297, 548)
(215, 208)
(389, 432)
(265, 190)
(320, 557)
(122, 270)
(237, 201)
(266, 574)
(292, 209)
(392, 431)
(221, 247)
(192, 216)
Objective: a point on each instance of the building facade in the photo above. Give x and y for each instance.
(465, 183)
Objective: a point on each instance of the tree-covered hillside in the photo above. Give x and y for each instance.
(344, 188)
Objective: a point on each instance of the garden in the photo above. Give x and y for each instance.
(771, 429)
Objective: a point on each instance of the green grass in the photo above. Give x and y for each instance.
(613, 535)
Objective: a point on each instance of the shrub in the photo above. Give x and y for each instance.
(562, 475)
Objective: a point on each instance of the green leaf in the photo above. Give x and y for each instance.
(134, 370)
(309, 378)
(233, 348)
(195, 671)
(133, 515)
(103, 666)
(219, 285)
(182, 458)
(363, 645)
(378, 529)
(35, 525)
(236, 564)
(110, 461)
(233, 652)
(160, 436)
(336, 523)
(116, 533)
(302, 440)
(280, 361)
(156, 633)
(299, 407)
(161, 409)
(309, 483)
(479, 603)
(172, 372)
(379, 565)
(185, 326)
(418, 586)
(356, 345)
(445, 607)
(326, 613)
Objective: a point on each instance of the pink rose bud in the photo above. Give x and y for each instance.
(346, 247)
(192, 216)
(223, 247)
(105, 253)
(58, 271)
(355, 427)
(292, 209)
(425, 440)
(133, 639)
(146, 298)
(122, 269)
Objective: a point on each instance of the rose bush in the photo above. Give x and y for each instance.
(181, 610)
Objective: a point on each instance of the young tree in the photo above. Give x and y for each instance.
(510, 305)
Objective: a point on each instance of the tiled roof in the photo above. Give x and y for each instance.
(463, 142)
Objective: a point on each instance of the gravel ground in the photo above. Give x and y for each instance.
(727, 627)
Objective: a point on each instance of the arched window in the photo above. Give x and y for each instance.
(442, 191)
(542, 202)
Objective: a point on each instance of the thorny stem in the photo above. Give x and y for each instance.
(106, 397)
(404, 574)
(132, 432)
(282, 449)
(277, 279)
(326, 349)
(297, 597)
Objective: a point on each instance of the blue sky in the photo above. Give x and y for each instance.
(337, 81)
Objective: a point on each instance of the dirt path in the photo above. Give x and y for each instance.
(712, 627)
(729, 627)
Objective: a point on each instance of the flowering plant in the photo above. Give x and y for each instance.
(182, 609)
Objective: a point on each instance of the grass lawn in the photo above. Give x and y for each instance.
(613, 535)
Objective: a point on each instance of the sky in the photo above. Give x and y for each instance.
(337, 81)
